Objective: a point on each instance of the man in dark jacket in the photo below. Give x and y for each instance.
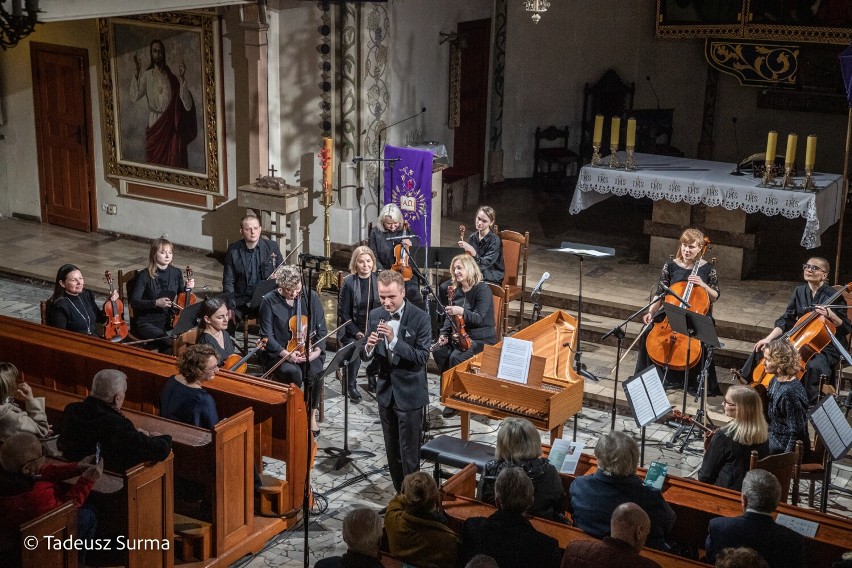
(507, 536)
(629, 529)
(98, 420)
(248, 262)
(755, 528)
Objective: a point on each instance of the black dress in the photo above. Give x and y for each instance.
(383, 249)
(77, 313)
(149, 320)
(221, 353)
(489, 256)
(478, 317)
(357, 297)
(726, 461)
(672, 273)
(788, 416)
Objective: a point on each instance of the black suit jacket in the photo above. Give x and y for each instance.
(234, 276)
(509, 539)
(402, 378)
(778, 545)
(349, 306)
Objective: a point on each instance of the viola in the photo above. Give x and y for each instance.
(688, 419)
(187, 298)
(239, 365)
(667, 348)
(811, 334)
(116, 328)
(400, 255)
(459, 332)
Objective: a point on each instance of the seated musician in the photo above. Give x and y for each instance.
(595, 497)
(729, 452)
(472, 299)
(519, 445)
(358, 295)
(755, 528)
(278, 311)
(183, 398)
(629, 528)
(788, 401)
(362, 533)
(213, 328)
(390, 224)
(98, 420)
(29, 488)
(417, 531)
(485, 247)
(248, 261)
(14, 419)
(507, 535)
(153, 294)
(680, 269)
(71, 306)
(808, 297)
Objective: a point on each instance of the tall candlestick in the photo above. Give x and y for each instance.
(328, 156)
(810, 152)
(631, 132)
(792, 141)
(598, 134)
(615, 127)
(771, 145)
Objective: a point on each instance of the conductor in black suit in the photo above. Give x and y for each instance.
(399, 339)
(755, 528)
(248, 262)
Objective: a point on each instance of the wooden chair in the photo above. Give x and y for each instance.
(785, 467)
(42, 307)
(184, 340)
(840, 379)
(501, 308)
(516, 248)
(555, 155)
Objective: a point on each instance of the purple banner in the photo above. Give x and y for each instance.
(408, 184)
(846, 70)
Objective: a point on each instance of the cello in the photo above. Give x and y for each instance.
(811, 334)
(185, 299)
(400, 254)
(115, 329)
(667, 348)
(460, 333)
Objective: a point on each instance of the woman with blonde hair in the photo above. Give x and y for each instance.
(788, 400)
(519, 445)
(358, 295)
(485, 247)
(387, 225)
(727, 458)
(13, 419)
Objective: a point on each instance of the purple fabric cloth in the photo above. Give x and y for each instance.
(846, 70)
(408, 184)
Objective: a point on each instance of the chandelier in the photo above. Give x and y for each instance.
(17, 25)
(536, 7)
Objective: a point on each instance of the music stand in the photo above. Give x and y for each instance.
(831, 425)
(694, 326)
(188, 318)
(647, 400)
(262, 289)
(342, 359)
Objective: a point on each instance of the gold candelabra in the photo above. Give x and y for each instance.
(788, 180)
(327, 277)
(630, 162)
(768, 176)
(596, 155)
(808, 184)
(613, 157)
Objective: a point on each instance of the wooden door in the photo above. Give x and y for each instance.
(63, 122)
(469, 138)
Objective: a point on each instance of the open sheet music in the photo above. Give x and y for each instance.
(515, 360)
(647, 397)
(832, 426)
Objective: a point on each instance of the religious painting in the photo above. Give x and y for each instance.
(162, 107)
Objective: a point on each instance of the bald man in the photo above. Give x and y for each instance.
(629, 527)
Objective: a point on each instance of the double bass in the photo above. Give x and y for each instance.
(667, 348)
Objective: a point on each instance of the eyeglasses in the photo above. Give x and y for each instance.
(726, 403)
(811, 267)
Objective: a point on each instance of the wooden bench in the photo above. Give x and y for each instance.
(59, 523)
(459, 505)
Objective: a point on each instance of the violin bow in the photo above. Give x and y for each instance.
(282, 360)
(286, 258)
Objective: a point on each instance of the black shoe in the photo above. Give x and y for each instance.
(371, 384)
(449, 412)
(355, 396)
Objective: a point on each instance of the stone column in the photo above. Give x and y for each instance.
(253, 22)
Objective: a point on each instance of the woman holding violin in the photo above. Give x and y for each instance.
(283, 322)
(71, 306)
(213, 329)
(392, 254)
(788, 401)
(153, 294)
(808, 299)
(358, 295)
(726, 460)
(699, 277)
(485, 246)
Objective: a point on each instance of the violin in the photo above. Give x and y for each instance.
(185, 299)
(298, 325)
(400, 255)
(811, 334)
(689, 419)
(116, 328)
(459, 332)
(667, 348)
(239, 365)
(462, 230)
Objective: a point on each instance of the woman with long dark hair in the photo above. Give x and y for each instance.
(72, 306)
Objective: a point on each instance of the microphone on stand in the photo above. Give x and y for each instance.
(672, 293)
(357, 159)
(540, 284)
(737, 171)
(653, 90)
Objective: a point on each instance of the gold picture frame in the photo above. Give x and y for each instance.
(163, 108)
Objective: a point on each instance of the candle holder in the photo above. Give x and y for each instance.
(613, 156)
(768, 178)
(596, 155)
(630, 163)
(808, 184)
(788, 180)
(327, 278)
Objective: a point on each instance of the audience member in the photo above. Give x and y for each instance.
(482, 561)
(507, 536)
(417, 531)
(741, 557)
(755, 528)
(519, 445)
(362, 533)
(98, 420)
(629, 528)
(29, 488)
(595, 497)
(13, 419)
(184, 398)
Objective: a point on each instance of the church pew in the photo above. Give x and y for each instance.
(67, 361)
(59, 523)
(459, 508)
(220, 460)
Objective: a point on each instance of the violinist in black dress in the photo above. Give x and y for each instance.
(213, 329)
(71, 306)
(808, 297)
(485, 246)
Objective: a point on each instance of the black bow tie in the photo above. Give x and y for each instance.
(395, 316)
